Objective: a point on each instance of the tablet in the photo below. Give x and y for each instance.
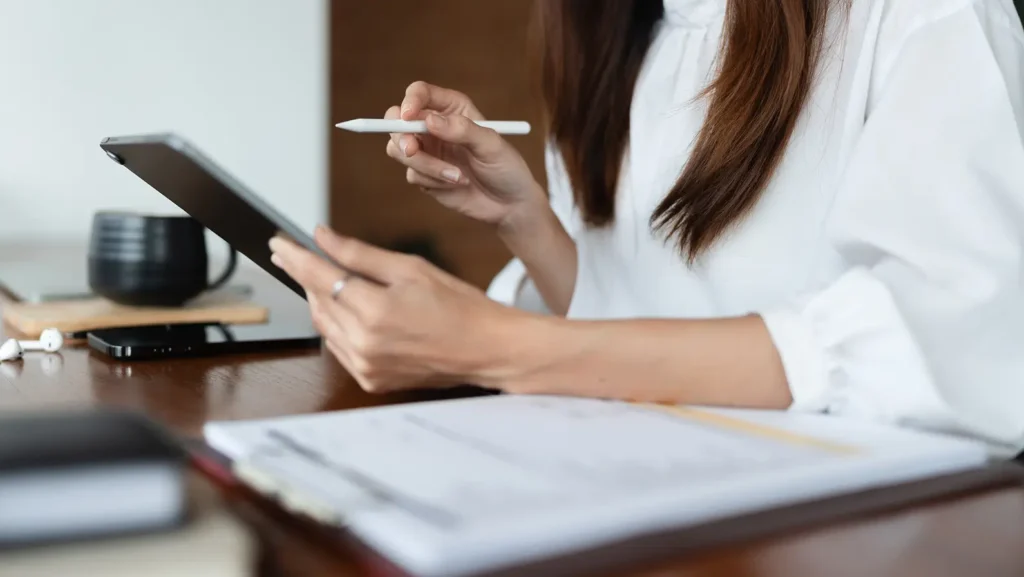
(188, 178)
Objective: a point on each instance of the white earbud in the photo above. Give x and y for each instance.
(10, 351)
(50, 341)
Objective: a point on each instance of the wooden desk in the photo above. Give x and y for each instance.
(977, 534)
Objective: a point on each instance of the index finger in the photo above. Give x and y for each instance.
(407, 143)
(376, 263)
(315, 274)
(421, 97)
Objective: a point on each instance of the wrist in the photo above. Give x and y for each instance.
(518, 346)
(527, 218)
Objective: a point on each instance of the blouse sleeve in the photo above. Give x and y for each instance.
(926, 328)
(512, 286)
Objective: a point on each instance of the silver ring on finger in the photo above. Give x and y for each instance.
(338, 286)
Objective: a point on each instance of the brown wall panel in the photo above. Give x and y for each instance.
(377, 49)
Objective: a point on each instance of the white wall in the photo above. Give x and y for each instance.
(244, 80)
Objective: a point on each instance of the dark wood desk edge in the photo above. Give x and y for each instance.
(663, 546)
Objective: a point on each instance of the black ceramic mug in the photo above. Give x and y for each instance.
(144, 260)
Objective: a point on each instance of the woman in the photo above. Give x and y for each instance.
(793, 204)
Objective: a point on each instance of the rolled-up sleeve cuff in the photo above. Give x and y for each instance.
(802, 359)
(847, 350)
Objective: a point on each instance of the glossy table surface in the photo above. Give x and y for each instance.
(973, 534)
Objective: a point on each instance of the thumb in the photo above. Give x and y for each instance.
(483, 143)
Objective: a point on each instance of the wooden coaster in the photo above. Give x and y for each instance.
(30, 319)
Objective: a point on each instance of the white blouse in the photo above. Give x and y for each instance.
(887, 255)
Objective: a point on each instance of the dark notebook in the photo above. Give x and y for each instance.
(85, 474)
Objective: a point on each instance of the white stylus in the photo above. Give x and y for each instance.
(420, 127)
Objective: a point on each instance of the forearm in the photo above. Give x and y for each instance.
(720, 362)
(541, 243)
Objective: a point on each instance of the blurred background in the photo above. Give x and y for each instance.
(378, 48)
(258, 85)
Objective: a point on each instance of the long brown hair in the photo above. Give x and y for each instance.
(591, 53)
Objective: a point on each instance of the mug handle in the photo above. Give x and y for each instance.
(228, 271)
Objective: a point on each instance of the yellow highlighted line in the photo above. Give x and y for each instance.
(726, 422)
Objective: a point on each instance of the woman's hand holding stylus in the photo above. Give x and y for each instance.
(466, 167)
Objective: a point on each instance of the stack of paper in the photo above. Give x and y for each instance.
(470, 486)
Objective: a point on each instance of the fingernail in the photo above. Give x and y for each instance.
(276, 260)
(275, 243)
(451, 174)
(404, 145)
